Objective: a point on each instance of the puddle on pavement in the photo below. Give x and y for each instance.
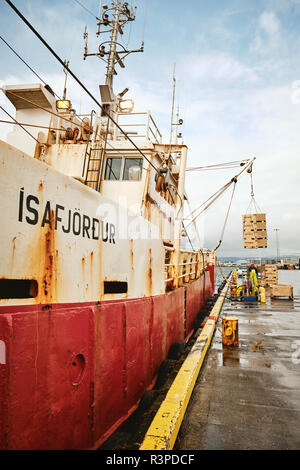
(231, 358)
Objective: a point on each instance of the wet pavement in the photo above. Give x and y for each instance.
(249, 397)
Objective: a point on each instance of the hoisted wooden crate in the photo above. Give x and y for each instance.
(254, 230)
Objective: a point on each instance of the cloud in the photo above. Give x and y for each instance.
(269, 23)
(217, 67)
(267, 33)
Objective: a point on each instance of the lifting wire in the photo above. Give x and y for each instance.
(217, 194)
(77, 80)
(226, 218)
(252, 200)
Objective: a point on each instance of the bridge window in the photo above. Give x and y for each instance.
(113, 168)
(124, 169)
(132, 169)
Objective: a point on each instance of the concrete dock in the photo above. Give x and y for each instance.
(249, 397)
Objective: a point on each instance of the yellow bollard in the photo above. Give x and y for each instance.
(233, 287)
(230, 331)
(262, 294)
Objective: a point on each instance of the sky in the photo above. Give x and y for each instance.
(237, 87)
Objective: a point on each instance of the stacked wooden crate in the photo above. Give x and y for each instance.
(269, 275)
(282, 290)
(254, 231)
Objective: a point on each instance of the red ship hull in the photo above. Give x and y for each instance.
(74, 372)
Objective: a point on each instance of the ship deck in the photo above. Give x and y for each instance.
(249, 397)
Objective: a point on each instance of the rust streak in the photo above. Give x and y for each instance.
(149, 274)
(13, 249)
(49, 277)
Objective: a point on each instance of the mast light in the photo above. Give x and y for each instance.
(126, 106)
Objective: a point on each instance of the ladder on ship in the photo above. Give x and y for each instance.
(94, 167)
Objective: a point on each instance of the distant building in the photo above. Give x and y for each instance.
(294, 261)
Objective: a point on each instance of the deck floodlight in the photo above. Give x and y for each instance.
(126, 106)
(180, 121)
(63, 105)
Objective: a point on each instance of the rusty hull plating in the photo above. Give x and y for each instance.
(88, 313)
(70, 348)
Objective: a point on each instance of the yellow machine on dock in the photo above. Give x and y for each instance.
(249, 290)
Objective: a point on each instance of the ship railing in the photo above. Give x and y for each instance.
(191, 265)
(146, 129)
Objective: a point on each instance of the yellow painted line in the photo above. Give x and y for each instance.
(164, 428)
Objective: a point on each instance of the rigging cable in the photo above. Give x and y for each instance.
(218, 193)
(145, 18)
(213, 197)
(38, 106)
(76, 79)
(19, 124)
(86, 9)
(30, 68)
(185, 230)
(33, 71)
(226, 218)
(32, 125)
(218, 166)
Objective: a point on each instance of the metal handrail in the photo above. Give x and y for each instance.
(194, 259)
(156, 134)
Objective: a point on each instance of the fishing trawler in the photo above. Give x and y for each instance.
(95, 286)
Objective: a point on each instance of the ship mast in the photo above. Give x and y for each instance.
(113, 46)
(111, 20)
